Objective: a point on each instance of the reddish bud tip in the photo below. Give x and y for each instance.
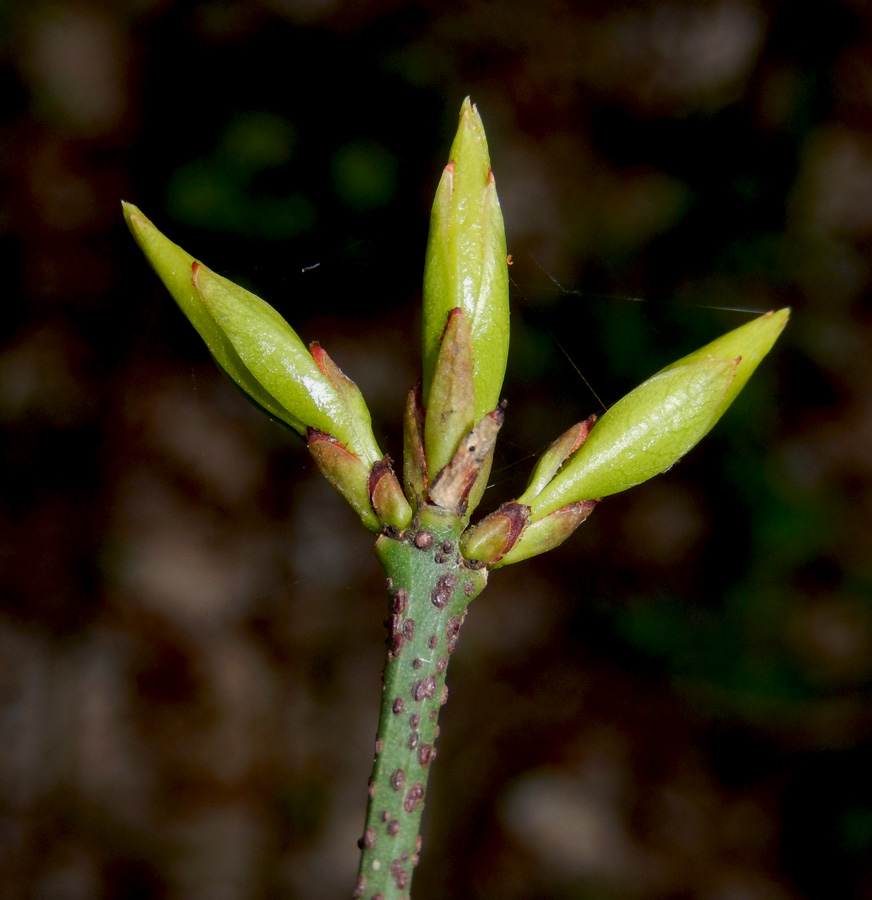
(318, 354)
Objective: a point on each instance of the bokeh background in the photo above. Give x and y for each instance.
(675, 705)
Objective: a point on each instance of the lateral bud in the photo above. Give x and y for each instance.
(414, 459)
(653, 426)
(451, 403)
(257, 349)
(452, 486)
(350, 394)
(386, 496)
(345, 472)
(548, 532)
(495, 535)
(554, 457)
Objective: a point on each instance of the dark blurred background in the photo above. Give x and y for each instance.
(675, 705)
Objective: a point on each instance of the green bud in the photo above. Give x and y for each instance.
(466, 264)
(450, 411)
(355, 406)
(751, 341)
(387, 498)
(346, 473)
(493, 537)
(257, 348)
(546, 533)
(651, 428)
(174, 267)
(557, 454)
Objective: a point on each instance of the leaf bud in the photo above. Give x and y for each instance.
(415, 476)
(557, 454)
(653, 426)
(489, 540)
(346, 473)
(465, 264)
(387, 498)
(450, 410)
(257, 348)
(547, 533)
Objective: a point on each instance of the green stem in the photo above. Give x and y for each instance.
(429, 587)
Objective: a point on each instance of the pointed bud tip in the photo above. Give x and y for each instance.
(318, 354)
(781, 315)
(468, 108)
(780, 318)
(133, 217)
(470, 123)
(771, 324)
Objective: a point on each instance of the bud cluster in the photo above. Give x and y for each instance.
(453, 416)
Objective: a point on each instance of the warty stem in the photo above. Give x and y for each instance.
(429, 587)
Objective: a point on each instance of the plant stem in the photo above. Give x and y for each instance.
(429, 587)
